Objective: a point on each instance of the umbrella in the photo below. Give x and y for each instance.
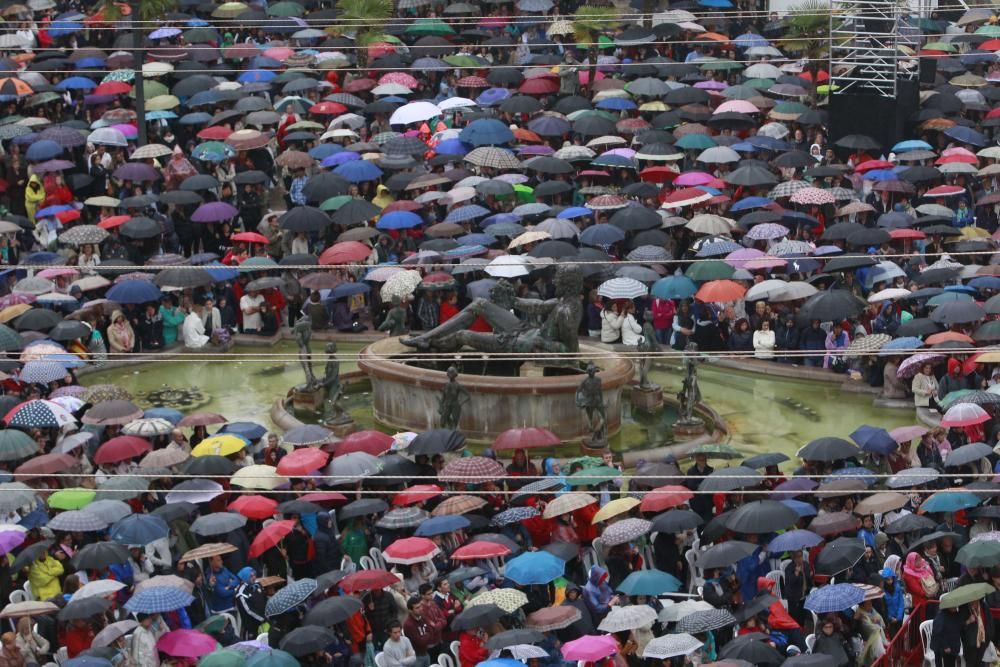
(761, 516)
(552, 618)
(158, 599)
(724, 554)
(840, 554)
(218, 523)
(410, 550)
(366, 580)
(828, 449)
(650, 583)
(590, 648)
(506, 599)
(705, 620)
(965, 594)
(100, 555)
(630, 617)
(290, 597)
(534, 567)
(477, 615)
(83, 609)
(332, 611)
(671, 645)
(307, 639)
(834, 598)
(968, 454)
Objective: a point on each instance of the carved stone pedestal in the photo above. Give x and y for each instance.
(342, 429)
(686, 430)
(307, 399)
(647, 399)
(594, 448)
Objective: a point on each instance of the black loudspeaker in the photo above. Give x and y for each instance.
(882, 118)
(928, 71)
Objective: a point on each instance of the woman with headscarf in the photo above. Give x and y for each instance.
(121, 337)
(177, 170)
(919, 579)
(552, 469)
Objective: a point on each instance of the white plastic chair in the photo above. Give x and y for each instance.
(234, 622)
(925, 642)
(778, 577)
(262, 638)
(380, 659)
(589, 558)
(445, 660)
(377, 557)
(454, 647)
(366, 563)
(18, 596)
(27, 589)
(600, 551)
(810, 642)
(695, 575)
(62, 655)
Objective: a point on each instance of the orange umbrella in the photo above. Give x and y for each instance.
(714, 36)
(949, 336)
(716, 291)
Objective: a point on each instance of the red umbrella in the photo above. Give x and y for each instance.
(897, 234)
(302, 461)
(321, 497)
(345, 252)
(417, 494)
(539, 85)
(375, 443)
(122, 448)
(113, 88)
(46, 464)
(249, 237)
(255, 507)
(215, 133)
(114, 221)
(525, 438)
(665, 497)
(718, 291)
(269, 537)
(658, 175)
(480, 550)
(367, 580)
(202, 419)
(948, 336)
(328, 109)
(410, 550)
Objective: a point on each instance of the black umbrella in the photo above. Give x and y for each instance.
(174, 511)
(307, 639)
(306, 219)
(69, 330)
(551, 188)
(141, 228)
(635, 219)
(521, 104)
(199, 182)
(933, 537)
(332, 611)
(298, 506)
(730, 479)
(759, 604)
(252, 177)
(477, 616)
(593, 126)
(686, 95)
(751, 176)
(100, 555)
(839, 555)
(329, 579)
(918, 326)
(794, 159)
(858, 142)
(725, 554)
(562, 550)
(394, 466)
(936, 276)
(840, 231)
(716, 527)
(958, 312)
(183, 278)
(299, 260)
(362, 507)
(675, 521)
(514, 637)
(218, 523)
(546, 164)
(554, 249)
(436, 441)
(810, 660)
(765, 460)
(83, 608)
(828, 449)
(753, 651)
(868, 236)
(838, 264)
(505, 76)
(761, 516)
(37, 319)
(465, 573)
(324, 185)
(216, 466)
(831, 305)
(29, 555)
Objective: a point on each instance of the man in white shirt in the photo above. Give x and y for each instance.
(193, 329)
(250, 305)
(398, 651)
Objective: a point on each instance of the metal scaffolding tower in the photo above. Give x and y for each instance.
(864, 38)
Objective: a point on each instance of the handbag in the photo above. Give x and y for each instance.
(990, 654)
(369, 654)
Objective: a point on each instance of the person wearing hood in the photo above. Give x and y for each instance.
(328, 553)
(597, 593)
(382, 196)
(34, 195)
(250, 602)
(552, 468)
(778, 618)
(121, 337)
(954, 380)
(574, 598)
(895, 604)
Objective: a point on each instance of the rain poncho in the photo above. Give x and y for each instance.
(597, 593)
(177, 170)
(44, 578)
(33, 196)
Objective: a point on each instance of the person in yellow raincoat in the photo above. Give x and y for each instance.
(34, 195)
(44, 576)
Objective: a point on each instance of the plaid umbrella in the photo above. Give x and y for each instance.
(459, 505)
(705, 620)
(290, 597)
(491, 156)
(513, 515)
(157, 600)
(508, 599)
(624, 531)
(77, 520)
(109, 511)
(207, 551)
(786, 189)
(669, 646)
(868, 344)
(402, 517)
(629, 617)
(566, 503)
(552, 618)
(472, 470)
(834, 598)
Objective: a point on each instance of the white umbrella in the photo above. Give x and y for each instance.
(766, 290)
(671, 613)
(888, 294)
(97, 589)
(718, 155)
(456, 103)
(708, 223)
(629, 617)
(400, 284)
(762, 71)
(108, 136)
(669, 646)
(508, 266)
(525, 652)
(622, 288)
(796, 290)
(558, 228)
(414, 112)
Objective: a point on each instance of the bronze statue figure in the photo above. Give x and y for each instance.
(590, 398)
(303, 335)
(453, 398)
(690, 394)
(333, 411)
(648, 345)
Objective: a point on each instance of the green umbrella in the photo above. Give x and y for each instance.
(759, 84)
(585, 461)
(201, 36)
(597, 475)
(955, 396)
(461, 61)
(695, 142)
(43, 98)
(790, 108)
(212, 624)
(979, 554)
(587, 113)
(334, 203)
(989, 30)
(9, 340)
(989, 332)
(965, 595)
(434, 27)
(125, 75)
(286, 9)
(941, 46)
(718, 451)
(713, 269)
(721, 65)
(257, 264)
(16, 445)
(524, 194)
(151, 89)
(222, 658)
(71, 499)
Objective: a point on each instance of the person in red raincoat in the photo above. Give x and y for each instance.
(472, 648)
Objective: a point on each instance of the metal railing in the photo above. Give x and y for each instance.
(905, 648)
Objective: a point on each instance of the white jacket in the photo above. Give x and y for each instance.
(631, 331)
(611, 326)
(763, 344)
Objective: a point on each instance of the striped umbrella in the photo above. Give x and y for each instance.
(833, 598)
(77, 520)
(157, 600)
(622, 288)
(403, 517)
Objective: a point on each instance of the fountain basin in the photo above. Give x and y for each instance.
(405, 395)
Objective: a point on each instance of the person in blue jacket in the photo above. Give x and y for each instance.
(222, 585)
(894, 603)
(748, 570)
(597, 593)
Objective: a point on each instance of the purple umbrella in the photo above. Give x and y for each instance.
(794, 487)
(53, 165)
(10, 540)
(97, 100)
(739, 258)
(911, 366)
(215, 211)
(767, 230)
(69, 390)
(136, 171)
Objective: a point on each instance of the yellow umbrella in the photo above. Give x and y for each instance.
(229, 10)
(614, 508)
(156, 68)
(10, 312)
(989, 357)
(258, 477)
(970, 233)
(219, 445)
(530, 236)
(162, 103)
(653, 106)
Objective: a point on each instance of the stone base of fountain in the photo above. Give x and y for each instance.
(406, 389)
(647, 399)
(341, 429)
(685, 430)
(304, 398)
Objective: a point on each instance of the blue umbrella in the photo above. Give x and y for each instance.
(257, 76)
(905, 343)
(985, 282)
(439, 525)
(966, 135)
(249, 431)
(950, 502)
(76, 83)
(574, 212)
(464, 213)
(197, 118)
(501, 662)
(338, 158)
(90, 63)
(601, 235)
(486, 132)
(613, 161)
(748, 40)
(271, 658)
(324, 151)
(649, 582)
(348, 289)
(748, 203)
(534, 567)
(834, 598)
(549, 126)
(359, 171)
(874, 439)
(499, 219)
(205, 97)
(87, 661)
(718, 248)
(158, 599)
(616, 103)
(220, 272)
(134, 291)
(290, 597)
(399, 220)
(477, 239)
(34, 519)
(674, 287)
(139, 529)
(44, 149)
(768, 143)
(42, 372)
(947, 297)
(803, 508)
(62, 28)
(911, 145)
(171, 415)
(451, 147)
(794, 540)
(492, 96)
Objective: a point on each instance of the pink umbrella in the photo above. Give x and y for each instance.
(128, 130)
(965, 414)
(280, 53)
(736, 106)
(911, 365)
(693, 179)
(711, 85)
(738, 258)
(759, 263)
(16, 299)
(410, 550)
(624, 152)
(402, 78)
(186, 644)
(57, 271)
(590, 648)
(812, 195)
(908, 433)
